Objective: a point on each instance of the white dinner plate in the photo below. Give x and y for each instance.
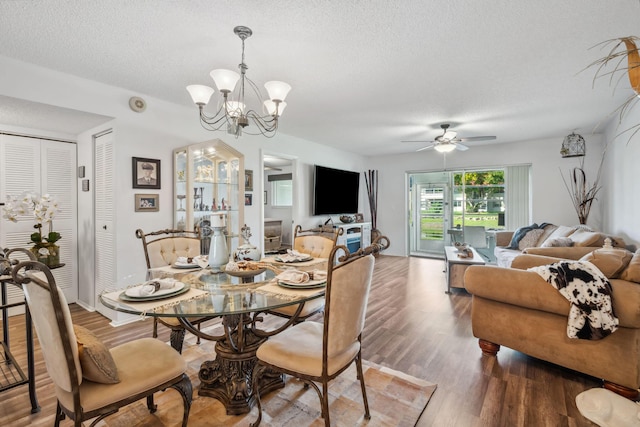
(190, 265)
(134, 292)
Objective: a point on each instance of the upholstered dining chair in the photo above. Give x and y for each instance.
(89, 380)
(162, 248)
(319, 352)
(318, 243)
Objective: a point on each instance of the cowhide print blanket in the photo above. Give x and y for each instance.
(591, 315)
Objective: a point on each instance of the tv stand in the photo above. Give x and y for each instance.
(355, 235)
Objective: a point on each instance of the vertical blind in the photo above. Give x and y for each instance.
(517, 198)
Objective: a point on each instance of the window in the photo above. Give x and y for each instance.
(281, 190)
(478, 197)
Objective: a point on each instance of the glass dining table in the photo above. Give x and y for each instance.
(240, 300)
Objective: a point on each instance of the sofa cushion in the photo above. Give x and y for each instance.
(96, 360)
(632, 272)
(587, 238)
(557, 242)
(530, 239)
(560, 231)
(610, 261)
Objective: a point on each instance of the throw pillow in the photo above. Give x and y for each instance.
(558, 242)
(587, 238)
(561, 231)
(530, 239)
(632, 272)
(519, 234)
(610, 261)
(95, 359)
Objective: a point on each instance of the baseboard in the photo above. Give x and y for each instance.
(85, 306)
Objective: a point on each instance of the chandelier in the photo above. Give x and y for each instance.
(233, 114)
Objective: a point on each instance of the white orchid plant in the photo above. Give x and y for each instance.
(44, 210)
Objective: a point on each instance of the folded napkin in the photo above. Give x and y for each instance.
(293, 255)
(293, 276)
(184, 260)
(318, 274)
(153, 286)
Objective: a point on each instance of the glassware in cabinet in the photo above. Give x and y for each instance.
(211, 186)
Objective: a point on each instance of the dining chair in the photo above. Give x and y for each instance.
(476, 237)
(318, 243)
(162, 248)
(317, 352)
(119, 376)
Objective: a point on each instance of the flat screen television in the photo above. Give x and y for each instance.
(335, 191)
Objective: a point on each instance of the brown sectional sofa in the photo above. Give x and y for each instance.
(551, 241)
(519, 309)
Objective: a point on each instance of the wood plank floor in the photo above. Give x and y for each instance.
(412, 326)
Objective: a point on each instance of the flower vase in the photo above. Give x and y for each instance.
(218, 252)
(47, 253)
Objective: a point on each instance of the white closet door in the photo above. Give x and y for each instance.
(105, 259)
(38, 166)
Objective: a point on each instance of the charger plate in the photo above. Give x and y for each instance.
(311, 284)
(160, 294)
(278, 259)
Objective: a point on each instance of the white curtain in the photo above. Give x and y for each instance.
(517, 198)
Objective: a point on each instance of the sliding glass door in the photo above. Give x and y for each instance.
(430, 215)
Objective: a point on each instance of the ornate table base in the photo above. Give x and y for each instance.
(228, 378)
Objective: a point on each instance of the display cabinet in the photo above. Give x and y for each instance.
(208, 185)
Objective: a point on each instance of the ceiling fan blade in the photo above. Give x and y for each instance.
(476, 138)
(428, 147)
(418, 141)
(461, 147)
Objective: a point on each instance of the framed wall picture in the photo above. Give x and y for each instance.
(147, 202)
(146, 173)
(248, 199)
(248, 180)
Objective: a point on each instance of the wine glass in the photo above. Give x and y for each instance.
(181, 197)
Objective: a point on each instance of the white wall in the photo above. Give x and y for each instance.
(550, 199)
(621, 184)
(154, 134)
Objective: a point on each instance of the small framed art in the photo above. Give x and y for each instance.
(146, 173)
(147, 202)
(248, 199)
(248, 180)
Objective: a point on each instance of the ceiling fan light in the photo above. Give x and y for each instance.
(445, 147)
(225, 80)
(277, 91)
(200, 94)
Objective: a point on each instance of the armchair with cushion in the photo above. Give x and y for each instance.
(317, 242)
(519, 309)
(89, 380)
(320, 351)
(162, 248)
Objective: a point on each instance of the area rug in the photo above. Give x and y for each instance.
(395, 399)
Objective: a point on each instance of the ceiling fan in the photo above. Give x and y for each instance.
(449, 141)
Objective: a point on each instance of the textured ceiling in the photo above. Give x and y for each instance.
(365, 74)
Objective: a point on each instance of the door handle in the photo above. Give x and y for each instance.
(104, 227)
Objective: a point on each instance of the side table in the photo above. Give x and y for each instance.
(455, 266)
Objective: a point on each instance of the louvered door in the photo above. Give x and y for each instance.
(105, 260)
(39, 166)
